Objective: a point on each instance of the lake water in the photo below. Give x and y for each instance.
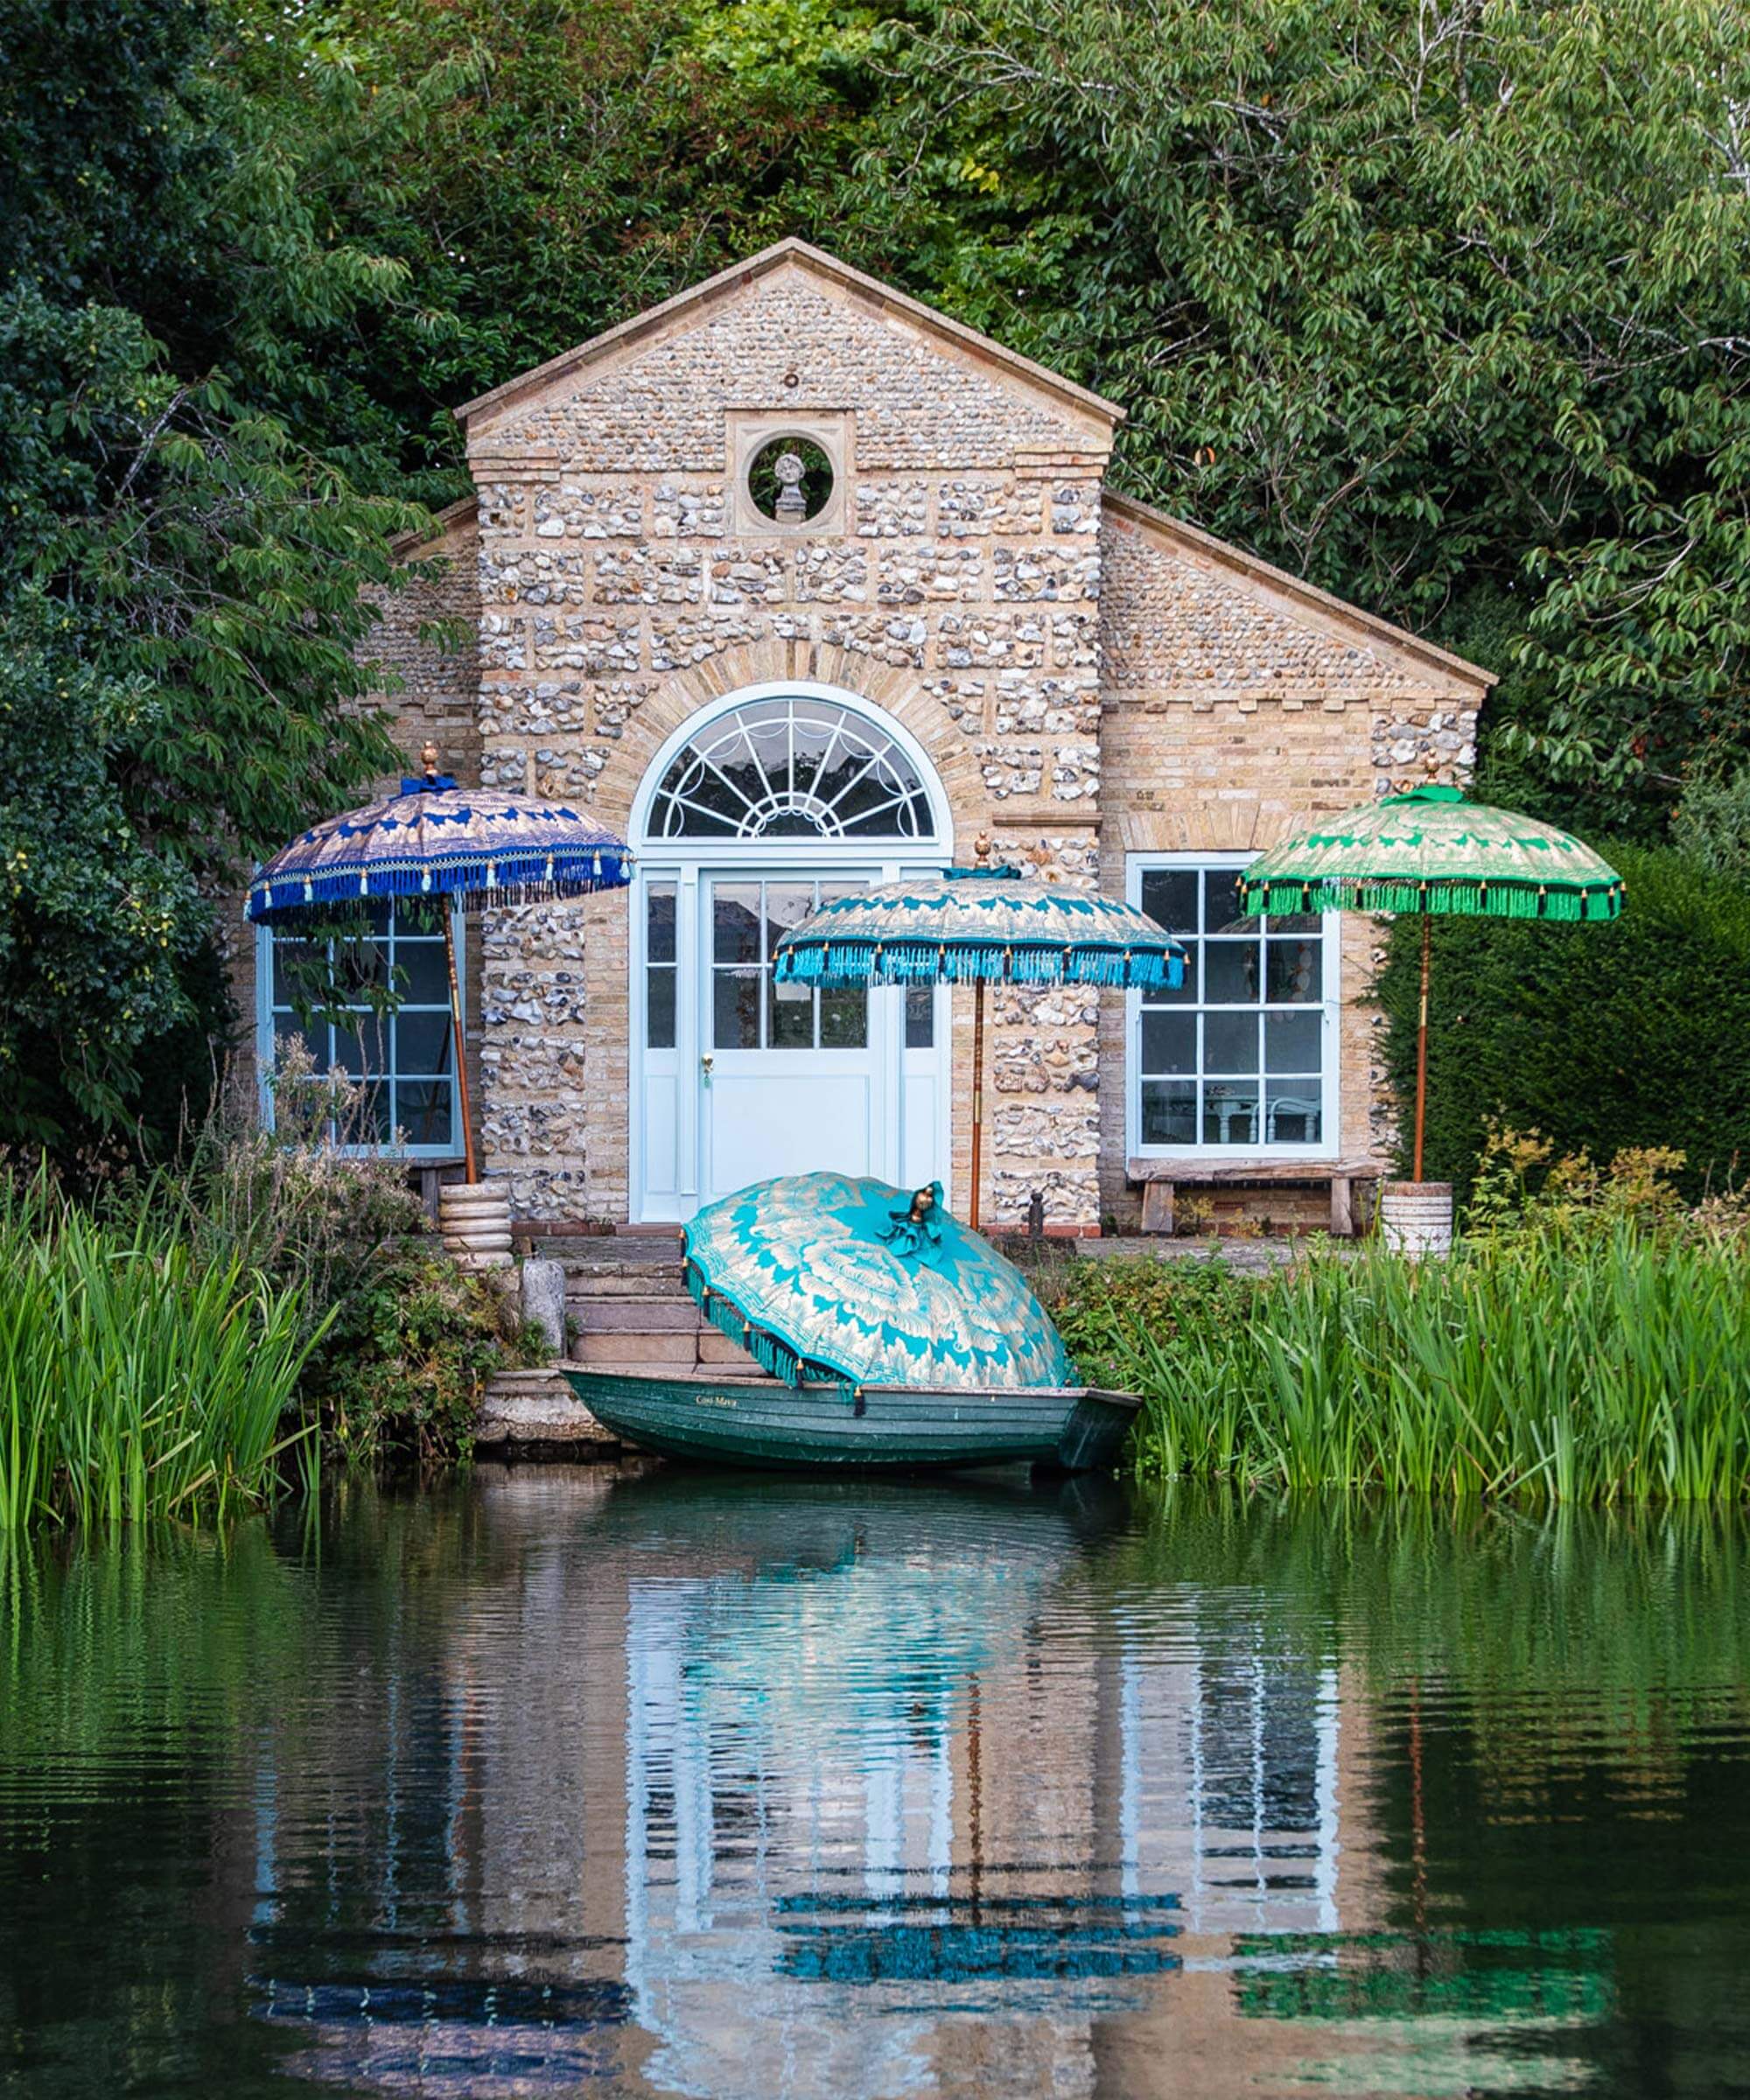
(566, 1782)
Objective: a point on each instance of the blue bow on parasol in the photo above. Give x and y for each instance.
(437, 840)
(978, 926)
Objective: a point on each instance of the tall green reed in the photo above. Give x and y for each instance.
(1564, 1362)
(138, 1379)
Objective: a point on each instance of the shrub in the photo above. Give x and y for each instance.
(407, 1341)
(1602, 1038)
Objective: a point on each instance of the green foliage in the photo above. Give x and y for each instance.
(1582, 1351)
(1598, 1037)
(186, 580)
(1711, 824)
(137, 1378)
(402, 1341)
(1435, 304)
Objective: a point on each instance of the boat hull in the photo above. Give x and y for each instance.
(762, 1422)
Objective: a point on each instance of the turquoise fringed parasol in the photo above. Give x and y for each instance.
(830, 1276)
(979, 925)
(1431, 852)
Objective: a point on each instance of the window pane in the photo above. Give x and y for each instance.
(786, 905)
(920, 1017)
(423, 978)
(1169, 1111)
(1292, 1041)
(363, 1047)
(735, 922)
(659, 923)
(298, 971)
(371, 1125)
(659, 1008)
(287, 1029)
(1170, 898)
(1230, 1042)
(422, 1110)
(844, 1018)
(359, 965)
(1184, 993)
(790, 1016)
(1221, 898)
(1294, 969)
(735, 1009)
(1169, 1042)
(1230, 972)
(1231, 1111)
(423, 1043)
(1292, 1111)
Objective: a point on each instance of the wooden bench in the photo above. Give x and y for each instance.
(1160, 1178)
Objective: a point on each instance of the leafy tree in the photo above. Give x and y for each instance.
(186, 582)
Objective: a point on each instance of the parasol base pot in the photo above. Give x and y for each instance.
(1416, 1217)
(474, 1220)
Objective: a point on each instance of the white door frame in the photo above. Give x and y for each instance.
(683, 861)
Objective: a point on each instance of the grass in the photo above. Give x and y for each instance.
(1569, 1360)
(137, 1380)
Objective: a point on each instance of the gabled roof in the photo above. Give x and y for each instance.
(1329, 610)
(799, 255)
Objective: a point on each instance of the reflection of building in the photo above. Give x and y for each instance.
(780, 1790)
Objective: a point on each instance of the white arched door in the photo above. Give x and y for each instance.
(758, 811)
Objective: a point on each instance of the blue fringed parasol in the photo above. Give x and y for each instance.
(978, 926)
(437, 840)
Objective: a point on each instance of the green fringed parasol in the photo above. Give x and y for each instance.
(1430, 851)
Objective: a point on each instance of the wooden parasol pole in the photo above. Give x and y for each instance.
(461, 1055)
(977, 1097)
(1422, 1043)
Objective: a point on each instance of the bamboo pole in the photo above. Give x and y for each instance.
(977, 1098)
(461, 1053)
(1422, 1043)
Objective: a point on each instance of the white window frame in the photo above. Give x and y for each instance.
(449, 1149)
(1329, 1146)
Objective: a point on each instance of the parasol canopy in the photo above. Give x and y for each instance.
(834, 1276)
(1430, 853)
(978, 926)
(1431, 850)
(437, 840)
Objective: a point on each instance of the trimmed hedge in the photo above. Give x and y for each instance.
(1635, 1033)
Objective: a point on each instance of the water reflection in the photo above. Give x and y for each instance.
(564, 1782)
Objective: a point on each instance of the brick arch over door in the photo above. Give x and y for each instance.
(877, 691)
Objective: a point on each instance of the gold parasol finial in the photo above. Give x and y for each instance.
(428, 759)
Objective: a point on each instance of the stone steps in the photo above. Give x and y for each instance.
(537, 1410)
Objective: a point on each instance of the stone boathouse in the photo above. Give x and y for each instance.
(803, 586)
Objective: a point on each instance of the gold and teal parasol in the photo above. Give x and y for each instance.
(1430, 852)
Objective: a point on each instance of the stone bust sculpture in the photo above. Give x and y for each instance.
(793, 507)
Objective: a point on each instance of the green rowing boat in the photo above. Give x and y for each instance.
(760, 1422)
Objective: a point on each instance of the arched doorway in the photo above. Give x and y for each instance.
(754, 812)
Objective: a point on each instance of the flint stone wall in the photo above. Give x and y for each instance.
(1088, 679)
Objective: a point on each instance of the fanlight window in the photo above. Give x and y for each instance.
(793, 768)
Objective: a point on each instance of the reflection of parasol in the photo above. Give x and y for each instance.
(436, 840)
(843, 1278)
(1429, 852)
(980, 925)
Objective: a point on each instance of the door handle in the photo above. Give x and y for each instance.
(705, 1066)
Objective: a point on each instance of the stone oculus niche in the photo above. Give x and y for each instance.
(790, 470)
